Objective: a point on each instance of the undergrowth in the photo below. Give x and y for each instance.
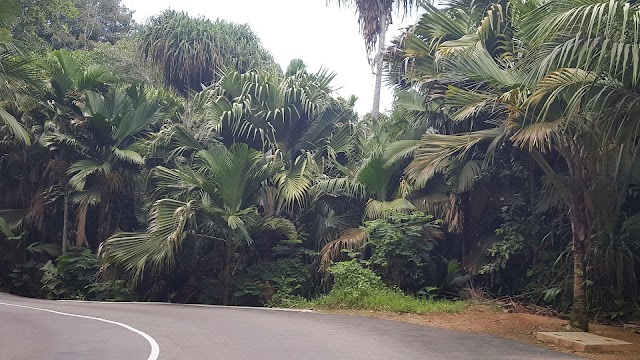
(356, 288)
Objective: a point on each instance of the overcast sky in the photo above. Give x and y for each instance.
(321, 35)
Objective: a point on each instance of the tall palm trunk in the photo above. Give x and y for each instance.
(379, 64)
(228, 257)
(581, 230)
(105, 228)
(579, 315)
(65, 221)
(580, 217)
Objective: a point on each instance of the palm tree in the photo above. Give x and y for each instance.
(19, 78)
(213, 200)
(369, 180)
(549, 83)
(587, 112)
(95, 131)
(193, 52)
(374, 17)
(291, 119)
(67, 86)
(111, 166)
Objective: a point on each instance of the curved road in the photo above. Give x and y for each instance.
(64, 330)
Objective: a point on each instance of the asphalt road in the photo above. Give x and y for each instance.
(33, 329)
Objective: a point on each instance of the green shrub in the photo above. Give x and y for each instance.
(265, 283)
(112, 290)
(74, 275)
(24, 279)
(212, 291)
(72, 272)
(401, 245)
(521, 231)
(272, 283)
(358, 288)
(349, 277)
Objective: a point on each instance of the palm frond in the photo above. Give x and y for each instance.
(294, 184)
(12, 217)
(466, 176)
(82, 169)
(170, 224)
(128, 155)
(376, 209)
(84, 200)
(343, 186)
(350, 239)
(283, 226)
(18, 130)
(437, 151)
(401, 150)
(376, 176)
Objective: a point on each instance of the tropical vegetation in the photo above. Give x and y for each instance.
(175, 160)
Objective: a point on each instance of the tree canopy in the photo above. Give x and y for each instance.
(71, 24)
(192, 52)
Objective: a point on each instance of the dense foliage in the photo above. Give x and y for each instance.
(192, 53)
(358, 288)
(186, 166)
(71, 24)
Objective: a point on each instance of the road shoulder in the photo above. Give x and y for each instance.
(515, 326)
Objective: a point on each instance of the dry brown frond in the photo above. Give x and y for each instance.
(349, 239)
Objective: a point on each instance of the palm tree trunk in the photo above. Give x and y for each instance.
(227, 271)
(580, 217)
(579, 315)
(581, 231)
(379, 63)
(65, 222)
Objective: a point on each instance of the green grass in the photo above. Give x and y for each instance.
(386, 300)
(357, 288)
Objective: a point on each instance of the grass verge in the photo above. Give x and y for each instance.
(386, 300)
(357, 288)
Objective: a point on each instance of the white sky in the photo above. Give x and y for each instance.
(321, 35)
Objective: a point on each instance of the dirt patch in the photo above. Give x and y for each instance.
(516, 326)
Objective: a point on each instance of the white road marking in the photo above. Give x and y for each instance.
(155, 348)
(232, 307)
